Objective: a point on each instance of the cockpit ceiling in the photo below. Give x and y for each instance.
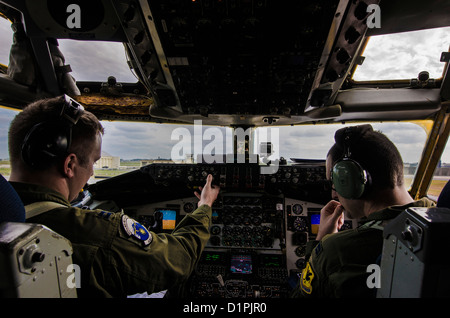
(231, 62)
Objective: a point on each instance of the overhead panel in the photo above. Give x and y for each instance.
(242, 57)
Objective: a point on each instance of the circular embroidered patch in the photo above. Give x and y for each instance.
(137, 230)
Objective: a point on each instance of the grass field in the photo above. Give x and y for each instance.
(435, 187)
(108, 173)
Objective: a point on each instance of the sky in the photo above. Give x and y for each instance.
(131, 140)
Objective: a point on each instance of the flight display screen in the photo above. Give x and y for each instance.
(213, 258)
(271, 261)
(169, 219)
(241, 264)
(315, 222)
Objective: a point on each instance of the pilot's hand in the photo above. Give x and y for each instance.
(331, 219)
(209, 192)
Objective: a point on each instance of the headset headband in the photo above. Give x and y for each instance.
(49, 140)
(71, 110)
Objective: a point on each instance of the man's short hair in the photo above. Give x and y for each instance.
(86, 129)
(374, 152)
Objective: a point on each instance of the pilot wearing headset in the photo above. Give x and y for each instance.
(365, 170)
(53, 145)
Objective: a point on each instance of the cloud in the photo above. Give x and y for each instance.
(404, 55)
(5, 40)
(313, 142)
(95, 61)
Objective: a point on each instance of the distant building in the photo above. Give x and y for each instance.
(409, 168)
(443, 169)
(107, 161)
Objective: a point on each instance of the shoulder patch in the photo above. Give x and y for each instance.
(306, 279)
(136, 230)
(105, 215)
(318, 248)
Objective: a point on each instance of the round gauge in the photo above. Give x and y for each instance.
(227, 230)
(300, 263)
(188, 207)
(227, 219)
(297, 208)
(256, 230)
(247, 230)
(300, 251)
(256, 220)
(300, 224)
(215, 230)
(248, 242)
(237, 230)
(257, 209)
(228, 241)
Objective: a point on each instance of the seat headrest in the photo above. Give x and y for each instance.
(11, 206)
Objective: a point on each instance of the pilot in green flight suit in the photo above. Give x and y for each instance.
(337, 265)
(365, 170)
(118, 256)
(53, 145)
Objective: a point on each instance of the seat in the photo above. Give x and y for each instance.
(443, 200)
(414, 262)
(35, 262)
(11, 207)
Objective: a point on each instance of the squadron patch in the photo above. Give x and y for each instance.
(306, 279)
(318, 248)
(137, 230)
(104, 215)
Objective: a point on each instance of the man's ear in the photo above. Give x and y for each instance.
(69, 165)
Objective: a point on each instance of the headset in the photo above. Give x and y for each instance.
(50, 140)
(349, 178)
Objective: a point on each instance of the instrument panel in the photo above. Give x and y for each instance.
(260, 222)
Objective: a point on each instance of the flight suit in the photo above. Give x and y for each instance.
(117, 256)
(337, 265)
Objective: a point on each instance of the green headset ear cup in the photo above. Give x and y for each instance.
(349, 179)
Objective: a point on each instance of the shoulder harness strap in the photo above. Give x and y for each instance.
(37, 208)
(375, 224)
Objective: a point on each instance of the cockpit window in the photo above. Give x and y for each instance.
(6, 40)
(95, 61)
(404, 55)
(172, 143)
(313, 142)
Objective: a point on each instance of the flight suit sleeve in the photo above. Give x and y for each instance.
(335, 270)
(142, 261)
(310, 279)
(316, 280)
